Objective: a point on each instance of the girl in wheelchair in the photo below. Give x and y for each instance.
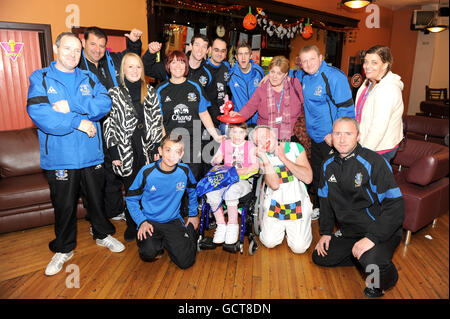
(241, 154)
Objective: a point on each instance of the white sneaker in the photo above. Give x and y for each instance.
(315, 214)
(232, 234)
(110, 242)
(219, 234)
(121, 216)
(57, 262)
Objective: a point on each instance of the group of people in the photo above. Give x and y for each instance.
(103, 129)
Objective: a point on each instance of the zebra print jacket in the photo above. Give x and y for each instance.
(121, 123)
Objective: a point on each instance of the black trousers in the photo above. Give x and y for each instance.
(179, 241)
(138, 162)
(319, 152)
(340, 254)
(199, 170)
(65, 188)
(113, 198)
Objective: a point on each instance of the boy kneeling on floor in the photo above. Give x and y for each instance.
(154, 201)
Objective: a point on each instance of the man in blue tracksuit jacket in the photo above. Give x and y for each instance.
(327, 97)
(66, 103)
(245, 76)
(106, 66)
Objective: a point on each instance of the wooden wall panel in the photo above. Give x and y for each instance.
(14, 75)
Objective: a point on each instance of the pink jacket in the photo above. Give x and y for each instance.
(282, 120)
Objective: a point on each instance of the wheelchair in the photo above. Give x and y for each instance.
(250, 207)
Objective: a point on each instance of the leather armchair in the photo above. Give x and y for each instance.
(421, 169)
(427, 129)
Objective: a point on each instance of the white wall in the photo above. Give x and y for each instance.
(423, 65)
(439, 73)
(431, 65)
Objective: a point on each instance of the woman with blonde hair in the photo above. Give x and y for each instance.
(134, 127)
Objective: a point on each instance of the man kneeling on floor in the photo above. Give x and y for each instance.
(357, 189)
(159, 187)
(287, 207)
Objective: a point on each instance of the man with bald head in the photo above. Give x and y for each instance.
(358, 190)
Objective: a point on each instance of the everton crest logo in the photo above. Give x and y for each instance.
(191, 97)
(358, 179)
(85, 90)
(61, 175)
(180, 186)
(203, 80)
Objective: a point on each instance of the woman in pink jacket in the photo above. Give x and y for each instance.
(279, 101)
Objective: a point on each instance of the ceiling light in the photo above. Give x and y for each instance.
(356, 4)
(434, 25)
(436, 28)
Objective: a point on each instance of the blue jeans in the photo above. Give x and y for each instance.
(390, 155)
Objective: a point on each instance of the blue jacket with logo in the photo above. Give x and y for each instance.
(327, 97)
(62, 145)
(156, 195)
(243, 85)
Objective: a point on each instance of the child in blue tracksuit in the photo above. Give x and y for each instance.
(154, 201)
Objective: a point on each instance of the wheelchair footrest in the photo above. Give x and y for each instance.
(232, 248)
(207, 243)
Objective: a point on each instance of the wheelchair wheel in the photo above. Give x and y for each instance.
(252, 247)
(198, 243)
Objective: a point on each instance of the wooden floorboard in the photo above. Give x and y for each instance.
(276, 273)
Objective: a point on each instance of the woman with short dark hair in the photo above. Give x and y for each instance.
(182, 103)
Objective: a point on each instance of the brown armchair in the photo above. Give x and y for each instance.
(421, 169)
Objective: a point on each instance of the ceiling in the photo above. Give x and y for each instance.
(398, 4)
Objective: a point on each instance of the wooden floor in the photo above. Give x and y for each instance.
(276, 273)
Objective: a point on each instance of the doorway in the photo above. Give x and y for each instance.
(24, 48)
(333, 48)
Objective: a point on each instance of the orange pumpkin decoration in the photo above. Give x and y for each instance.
(250, 20)
(307, 30)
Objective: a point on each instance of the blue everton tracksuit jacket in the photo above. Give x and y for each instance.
(242, 86)
(155, 195)
(327, 97)
(62, 145)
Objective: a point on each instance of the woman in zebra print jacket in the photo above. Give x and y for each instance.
(134, 126)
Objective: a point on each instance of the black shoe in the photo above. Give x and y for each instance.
(130, 234)
(373, 292)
